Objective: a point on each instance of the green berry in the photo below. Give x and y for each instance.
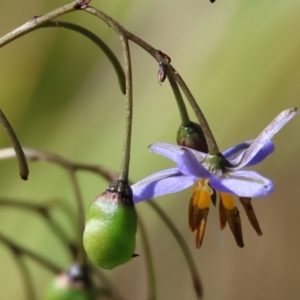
(110, 228)
(71, 285)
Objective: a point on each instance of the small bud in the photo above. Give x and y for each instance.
(162, 72)
(110, 228)
(74, 284)
(192, 137)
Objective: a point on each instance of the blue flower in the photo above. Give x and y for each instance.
(222, 173)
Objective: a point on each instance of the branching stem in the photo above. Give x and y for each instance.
(126, 35)
(34, 256)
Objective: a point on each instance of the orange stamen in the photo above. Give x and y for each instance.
(227, 200)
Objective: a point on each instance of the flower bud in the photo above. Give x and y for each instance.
(162, 72)
(192, 137)
(71, 285)
(110, 228)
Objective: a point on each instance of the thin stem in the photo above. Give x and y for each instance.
(39, 155)
(43, 211)
(185, 120)
(108, 284)
(184, 248)
(211, 142)
(109, 175)
(39, 259)
(124, 171)
(36, 21)
(28, 284)
(120, 30)
(94, 38)
(45, 156)
(149, 262)
(71, 246)
(23, 167)
(82, 259)
(161, 57)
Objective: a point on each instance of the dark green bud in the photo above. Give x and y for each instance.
(110, 227)
(71, 285)
(192, 137)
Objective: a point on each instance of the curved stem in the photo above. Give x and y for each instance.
(124, 171)
(120, 30)
(149, 262)
(108, 284)
(28, 284)
(94, 38)
(45, 156)
(39, 155)
(23, 167)
(161, 57)
(39, 259)
(36, 21)
(211, 142)
(43, 211)
(185, 120)
(184, 248)
(82, 258)
(109, 175)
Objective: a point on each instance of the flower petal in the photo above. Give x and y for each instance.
(161, 183)
(235, 154)
(266, 135)
(243, 184)
(267, 149)
(189, 161)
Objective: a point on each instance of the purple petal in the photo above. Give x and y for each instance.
(243, 184)
(267, 149)
(161, 183)
(235, 154)
(189, 161)
(267, 134)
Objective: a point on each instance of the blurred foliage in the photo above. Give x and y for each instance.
(240, 60)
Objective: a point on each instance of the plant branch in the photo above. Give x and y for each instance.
(43, 211)
(36, 21)
(39, 259)
(122, 32)
(149, 262)
(182, 244)
(28, 284)
(124, 171)
(23, 166)
(82, 259)
(185, 120)
(211, 142)
(161, 57)
(94, 38)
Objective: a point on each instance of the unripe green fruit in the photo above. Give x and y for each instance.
(192, 137)
(64, 287)
(110, 229)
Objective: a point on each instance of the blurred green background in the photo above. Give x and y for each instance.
(241, 61)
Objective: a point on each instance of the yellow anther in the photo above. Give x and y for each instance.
(202, 194)
(198, 186)
(227, 200)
